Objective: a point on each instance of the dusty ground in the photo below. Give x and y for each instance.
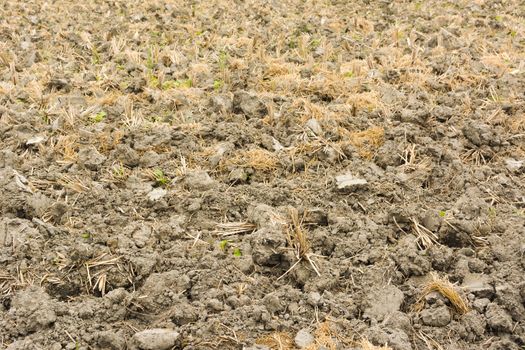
(222, 174)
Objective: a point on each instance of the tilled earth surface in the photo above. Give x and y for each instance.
(262, 174)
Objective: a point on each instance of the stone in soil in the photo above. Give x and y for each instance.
(303, 338)
(349, 182)
(436, 317)
(199, 180)
(498, 319)
(154, 339)
(383, 302)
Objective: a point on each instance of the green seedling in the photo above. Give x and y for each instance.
(118, 172)
(98, 117)
(223, 60)
(95, 56)
(223, 244)
(86, 235)
(314, 44)
(154, 82)
(442, 213)
(171, 84)
(160, 178)
(46, 119)
(237, 252)
(217, 85)
(349, 74)
(150, 61)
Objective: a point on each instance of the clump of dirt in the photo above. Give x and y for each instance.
(255, 175)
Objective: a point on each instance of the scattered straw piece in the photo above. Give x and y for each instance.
(324, 338)
(257, 159)
(235, 228)
(366, 345)
(277, 340)
(425, 237)
(298, 240)
(446, 289)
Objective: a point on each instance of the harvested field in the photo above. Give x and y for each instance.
(262, 175)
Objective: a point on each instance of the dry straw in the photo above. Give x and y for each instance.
(447, 290)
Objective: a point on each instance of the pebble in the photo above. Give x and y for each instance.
(436, 317)
(303, 338)
(349, 182)
(156, 194)
(154, 339)
(314, 125)
(498, 319)
(514, 165)
(35, 140)
(199, 180)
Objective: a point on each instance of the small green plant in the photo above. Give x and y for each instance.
(217, 85)
(86, 235)
(223, 60)
(160, 178)
(223, 244)
(237, 252)
(46, 119)
(442, 213)
(498, 18)
(95, 56)
(171, 84)
(98, 117)
(314, 44)
(292, 44)
(118, 172)
(349, 74)
(153, 81)
(150, 60)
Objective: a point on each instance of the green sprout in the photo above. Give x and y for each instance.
(95, 55)
(118, 172)
(314, 44)
(237, 252)
(86, 235)
(171, 84)
(153, 81)
(217, 85)
(98, 117)
(150, 61)
(160, 178)
(223, 60)
(223, 244)
(442, 213)
(349, 74)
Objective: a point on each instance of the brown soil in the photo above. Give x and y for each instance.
(262, 174)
